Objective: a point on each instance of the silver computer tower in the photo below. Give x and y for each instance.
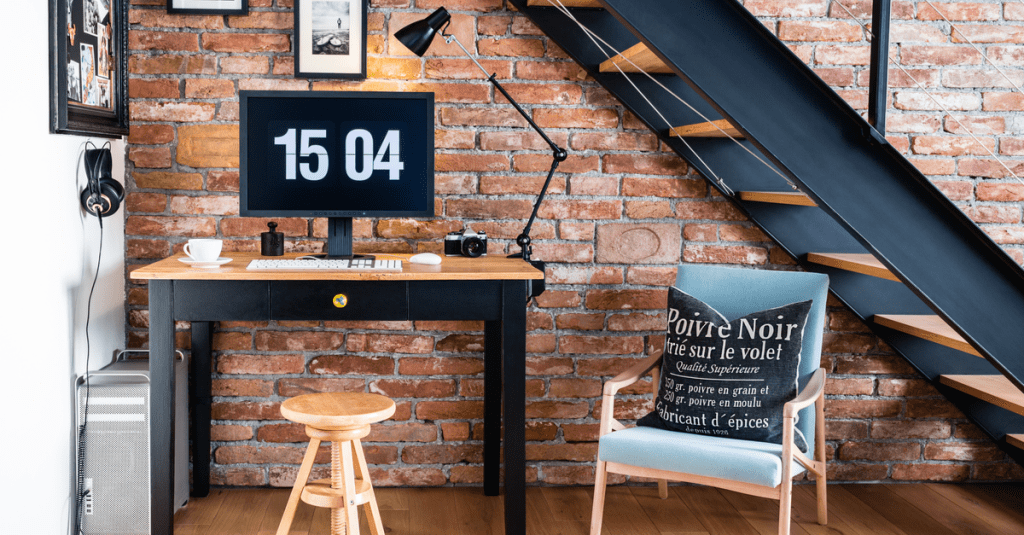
(116, 445)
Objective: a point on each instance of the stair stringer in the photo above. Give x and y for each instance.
(799, 230)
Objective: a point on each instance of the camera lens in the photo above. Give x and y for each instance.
(472, 247)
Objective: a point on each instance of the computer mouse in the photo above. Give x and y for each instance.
(425, 258)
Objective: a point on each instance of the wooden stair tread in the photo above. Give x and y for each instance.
(995, 389)
(566, 3)
(1016, 441)
(724, 129)
(640, 59)
(931, 328)
(865, 264)
(778, 197)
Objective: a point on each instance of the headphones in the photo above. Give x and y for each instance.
(103, 195)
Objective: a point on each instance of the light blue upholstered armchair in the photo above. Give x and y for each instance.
(756, 468)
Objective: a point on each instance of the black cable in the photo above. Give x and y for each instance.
(80, 491)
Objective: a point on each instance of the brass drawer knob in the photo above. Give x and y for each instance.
(340, 300)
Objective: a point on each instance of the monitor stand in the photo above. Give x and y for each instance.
(339, 239)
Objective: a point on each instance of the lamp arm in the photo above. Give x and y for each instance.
(558, 154)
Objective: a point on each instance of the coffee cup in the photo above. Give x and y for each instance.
(205, 250)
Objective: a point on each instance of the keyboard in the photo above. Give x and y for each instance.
(324, 264)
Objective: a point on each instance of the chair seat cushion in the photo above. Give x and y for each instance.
(748, 461)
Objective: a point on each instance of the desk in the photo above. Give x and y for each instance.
(491, 289)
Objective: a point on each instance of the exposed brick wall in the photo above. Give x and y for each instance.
(604, 307)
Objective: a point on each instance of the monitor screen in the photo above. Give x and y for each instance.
(336, 154)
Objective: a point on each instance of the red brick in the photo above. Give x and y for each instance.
(465, 69)
(260, 364)
(298, 385)
(172, 64)
(578, 209)
(626, 299)
(511, 47)
(556, 94)
(482, 117)
(450, 410)
(958, 11)
(246, 42)
(576, 118)
(170, 226)
(550, 70)
(930, 472)
(619, 243)
(206, 88)
(346, 364)
(151, 134)
(600, 345)
(580, 322)
(862, 408)
(171, 41)
(298, 341)
(153, 88)
(575, 388)
(803, 30)
(171, 111)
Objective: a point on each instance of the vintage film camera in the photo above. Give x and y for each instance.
(465, 242)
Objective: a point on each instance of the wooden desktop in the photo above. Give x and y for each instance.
(492, 289)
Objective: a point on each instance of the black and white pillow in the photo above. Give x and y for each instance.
(728, 378)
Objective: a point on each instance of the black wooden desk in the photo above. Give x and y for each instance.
(490, 289)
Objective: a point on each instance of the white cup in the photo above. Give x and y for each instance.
(206, 250)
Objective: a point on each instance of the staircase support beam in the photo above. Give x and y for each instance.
(878, 93)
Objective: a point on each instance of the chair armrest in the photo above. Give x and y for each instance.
(626, 378)
(815, 388)
(631, 375)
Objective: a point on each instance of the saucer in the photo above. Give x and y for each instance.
(207, 265)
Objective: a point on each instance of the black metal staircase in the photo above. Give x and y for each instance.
(926, 279)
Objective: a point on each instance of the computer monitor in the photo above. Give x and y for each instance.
(336, 154)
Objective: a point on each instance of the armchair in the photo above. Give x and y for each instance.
(750, 467)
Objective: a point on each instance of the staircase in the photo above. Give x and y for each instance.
(899, 254)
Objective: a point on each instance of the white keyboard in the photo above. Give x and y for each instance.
(324, 264)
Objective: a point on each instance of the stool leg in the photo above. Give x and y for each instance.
(342, 478)
(300, 482)
(372, 513)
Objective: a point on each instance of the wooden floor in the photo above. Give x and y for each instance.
(870, 509)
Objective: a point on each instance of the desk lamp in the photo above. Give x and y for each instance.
(417, 37)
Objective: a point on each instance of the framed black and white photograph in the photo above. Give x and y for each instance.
(88, 67)
(208, 7)
(330, 38)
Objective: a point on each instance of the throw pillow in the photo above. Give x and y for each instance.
(728, 378)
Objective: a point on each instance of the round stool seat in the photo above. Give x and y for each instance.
(338, 410)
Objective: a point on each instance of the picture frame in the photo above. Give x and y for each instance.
(208, 7)
(330, 38)
(89, 67)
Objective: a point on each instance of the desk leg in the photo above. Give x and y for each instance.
(492, 407)
(161, 406)
(200, 385)
(513, 351)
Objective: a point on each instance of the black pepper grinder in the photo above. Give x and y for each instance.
(272, 242)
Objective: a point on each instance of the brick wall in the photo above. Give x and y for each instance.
(604, 306)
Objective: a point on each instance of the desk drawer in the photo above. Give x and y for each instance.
(338, 300)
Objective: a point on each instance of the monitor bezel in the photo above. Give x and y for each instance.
(243, 123)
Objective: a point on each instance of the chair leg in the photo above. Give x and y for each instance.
(351, 511)
(362, 472)
(597, 515)
(785, 506)
(822, 495)
(300, 481)
(663, 489)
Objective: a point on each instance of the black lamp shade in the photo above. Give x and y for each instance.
(418, 35)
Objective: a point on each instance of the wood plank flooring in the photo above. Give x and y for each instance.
(866, 509)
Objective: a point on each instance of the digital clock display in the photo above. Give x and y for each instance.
(337, 153)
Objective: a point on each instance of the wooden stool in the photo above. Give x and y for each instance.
(341, 418)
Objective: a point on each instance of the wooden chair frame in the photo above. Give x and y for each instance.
(812, 393)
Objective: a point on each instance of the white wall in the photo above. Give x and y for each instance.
(47, 261)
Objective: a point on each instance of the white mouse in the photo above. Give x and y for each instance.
(425, 258)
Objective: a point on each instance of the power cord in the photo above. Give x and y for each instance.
(81, 492)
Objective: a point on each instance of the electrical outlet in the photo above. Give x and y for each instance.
(87, 501)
